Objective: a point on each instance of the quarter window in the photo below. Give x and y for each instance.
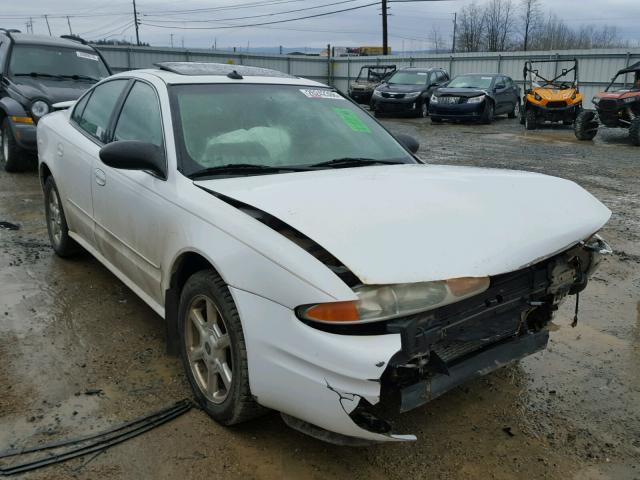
(140, 118)
(96, 115)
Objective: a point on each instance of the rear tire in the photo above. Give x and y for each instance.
(515, 113)
(213, 350)
(12, 157)
(530, 120)
(585, 127)
(61, 242)
(634, 131)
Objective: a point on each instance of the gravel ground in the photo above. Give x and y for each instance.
(573, 411)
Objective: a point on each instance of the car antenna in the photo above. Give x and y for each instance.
(235, 75)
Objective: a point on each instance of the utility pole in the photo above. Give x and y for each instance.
(455, 26)
(171, 35)
(385, 37)
(69, 23)
(136, 22)
(48, 27)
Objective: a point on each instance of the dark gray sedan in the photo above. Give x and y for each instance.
(475, 97)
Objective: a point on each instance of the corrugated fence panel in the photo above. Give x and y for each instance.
(596, 66)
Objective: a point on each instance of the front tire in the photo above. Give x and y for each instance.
(585, 127)
(57, 227)
(12, 157)
(530, 120)
(424, 109)
(488, 114)
(634, 131)
(213, 350)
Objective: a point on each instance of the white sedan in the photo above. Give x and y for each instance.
(304, 259)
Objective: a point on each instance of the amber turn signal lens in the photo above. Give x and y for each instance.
(333, 312)
(17, 119)
(465, 285)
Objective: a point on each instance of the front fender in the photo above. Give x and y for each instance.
(12, 107)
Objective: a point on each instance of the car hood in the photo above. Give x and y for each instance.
(412, 223)
(555, 95)
(397, 88)
(460, 92)
(52, 90)
(618, 95)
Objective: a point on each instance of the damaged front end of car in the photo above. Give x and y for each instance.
(450, 345)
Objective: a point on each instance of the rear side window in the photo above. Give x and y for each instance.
(79, 108)
(140, 118)
(96, 115)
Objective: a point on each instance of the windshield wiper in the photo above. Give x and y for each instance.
(75, 76)
(243, 168)
(38, 74)
(353, 162)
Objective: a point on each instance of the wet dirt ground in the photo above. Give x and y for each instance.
(79, 352)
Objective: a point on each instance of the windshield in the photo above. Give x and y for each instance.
(471, 81)
(409, 78)
(274, 125)
(56, 61)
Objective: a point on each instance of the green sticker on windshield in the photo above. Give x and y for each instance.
(352, 120)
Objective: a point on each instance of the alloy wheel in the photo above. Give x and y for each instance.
(516, 110)
(425, 110)
(55, 218)
(208, 348)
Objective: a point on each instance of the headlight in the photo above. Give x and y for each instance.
(382, 302)
(478, 99)
(412, 95)
(629, 99)
(377, 93)
(537, 97)
(39, 108)
(596, 100)
(434, 99)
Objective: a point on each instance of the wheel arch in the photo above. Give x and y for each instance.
(44, 172)
(183, 266)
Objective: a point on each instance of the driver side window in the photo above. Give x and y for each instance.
(140, 118)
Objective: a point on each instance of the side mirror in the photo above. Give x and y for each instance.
(500, 86)
(134, 155)
(408, 142)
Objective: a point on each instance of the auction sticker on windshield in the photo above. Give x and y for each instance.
(351, 119)
(321, 93)
(88, 56)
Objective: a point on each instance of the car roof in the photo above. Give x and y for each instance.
(419, 69)
(630, 69)
(197, 72)
(27, 39)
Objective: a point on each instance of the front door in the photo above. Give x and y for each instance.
(129, 210)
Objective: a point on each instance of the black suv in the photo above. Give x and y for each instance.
(36, 72)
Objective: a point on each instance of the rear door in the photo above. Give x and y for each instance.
(129, 205)
(502, 95)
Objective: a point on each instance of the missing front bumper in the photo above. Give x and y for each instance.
(476, 366)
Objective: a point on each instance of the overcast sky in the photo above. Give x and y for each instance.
(410, 26)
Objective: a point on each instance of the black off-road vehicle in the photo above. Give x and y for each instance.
(36, 73)
(617, 107)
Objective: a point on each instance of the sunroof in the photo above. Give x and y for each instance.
(220, 69)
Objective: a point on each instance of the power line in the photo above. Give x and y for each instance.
(252, 16)
(266, 23)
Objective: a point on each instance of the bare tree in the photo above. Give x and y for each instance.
(531, 18)
(498, 24)
(470, 28)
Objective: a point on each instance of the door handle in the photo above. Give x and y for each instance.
(101, 177)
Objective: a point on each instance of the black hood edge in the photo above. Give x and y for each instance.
(297, 237)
